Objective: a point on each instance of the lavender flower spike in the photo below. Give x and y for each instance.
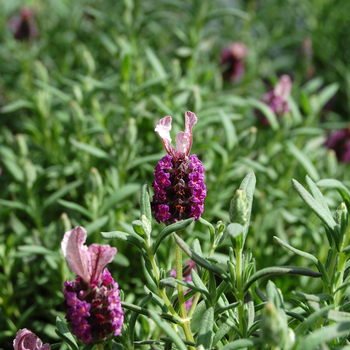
(179, 188)
(92, 301)
(27, 340)
(339, 141)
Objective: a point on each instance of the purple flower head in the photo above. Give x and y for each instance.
(187, 278)
(27, 340)
(92, 301)
(339, 141)
(276, 99)
(233, 59)
(23, 25)
(179, 188)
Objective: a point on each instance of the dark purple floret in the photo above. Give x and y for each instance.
(23, 25)
(233, 60)
(339, 141)
(94, 310)
(179, 190)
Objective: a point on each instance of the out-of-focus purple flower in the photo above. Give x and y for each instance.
(179, 188)
(233, 61)
(308, 54)
(339, 141)
(92, 301)
(27, 340)
(276, 99)
(23, 25)
(187, 278)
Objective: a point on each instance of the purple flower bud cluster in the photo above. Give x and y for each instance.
(94, 310)
(179, 189)
(339, 141)
(187, 278)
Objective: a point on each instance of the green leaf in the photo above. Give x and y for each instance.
(199, 260)
(228, 11)
(74, 206)
(61, 192)
(280, 270)
(118, 196)
(126, 237)
(117, 346)
(97, 224)
(89, 346)
(52, 90)
(317, 194)
(314, 297)
(266, 111)
(220, 333)
(167, 329)
(313, 204)
(338, 316)
(242, 344)
(303, 160)
(324, 335)
(177, 226)
(296, 251)
(145, 204)
(93, 150)
(17, 205)
(325, 95)
(155, 63)
(15, 106)
(205, 332)
(37, 249)
(337, 185)
(64, 333)
(230, 131)
(222, 309)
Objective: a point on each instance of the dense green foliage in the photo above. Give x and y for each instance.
(79, 104)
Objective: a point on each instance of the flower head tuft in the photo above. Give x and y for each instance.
(179, 188)
(92, 301)
(23, 25)
(27, 340)
(233, 61)
(339, 141)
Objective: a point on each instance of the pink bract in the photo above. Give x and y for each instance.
(183, 140)
(86, 262)
(27, 340)
(284, 86)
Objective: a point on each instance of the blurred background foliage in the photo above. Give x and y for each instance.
(79, 103)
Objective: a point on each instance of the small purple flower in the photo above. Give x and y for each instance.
(23, 25)
(233, 60)
(178, 176)
(92, 301)
(276, 99)
(339, 141)
(27, 340)
(187, 278)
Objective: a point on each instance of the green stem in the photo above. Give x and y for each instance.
(240, 294)
(180, 293)
(99, 346)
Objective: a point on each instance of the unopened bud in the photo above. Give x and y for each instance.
(341, 210)
(22, 145)
(239, 210)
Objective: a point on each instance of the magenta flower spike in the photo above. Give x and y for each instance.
(179, 188)
(23, 25)
(276, 99)
(233, 58)
(92, 301)
(339, 141)
(27, 340)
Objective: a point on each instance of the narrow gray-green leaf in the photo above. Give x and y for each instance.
(177, 226)
(324, 335)
(75, 206)
(167, 329)
(205, 332)
(296, 251)
(155, 62)
(61, 192)
(337, 185)
(281, 270)
(65, 334)
(145, 204)
(317, 194)
(199, 260)
(242, 344)
(266, 111)
(127, 237)
(230, 131)
(97, 224)
(303, 160)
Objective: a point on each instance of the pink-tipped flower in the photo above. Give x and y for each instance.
(233, 61)
(23, 25)
(92, 301)
(187, 278)
(339, 141)
(179, 188)
(276, 99)
(27, 340)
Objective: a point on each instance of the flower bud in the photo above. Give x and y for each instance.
(239, 209)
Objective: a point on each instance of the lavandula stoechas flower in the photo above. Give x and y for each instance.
(179, 188)
(339, 141)
(187, 278)
(233, 57)
(92, 301)
(23, 25)
(27, 340)
(276, 99)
